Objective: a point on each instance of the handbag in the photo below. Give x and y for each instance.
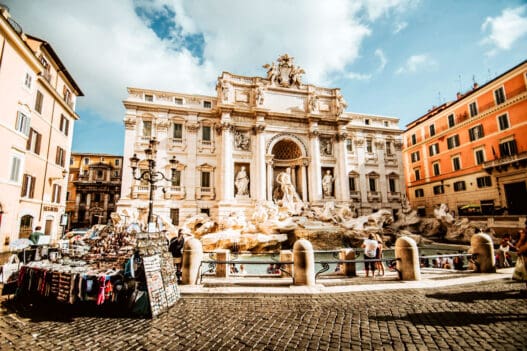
(520, 271)
(10, 269)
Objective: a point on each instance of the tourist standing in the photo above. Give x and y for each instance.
(520, 271)
(176, 248)
(370, 246)
(35, 236)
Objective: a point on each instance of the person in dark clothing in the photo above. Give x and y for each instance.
(176, 248)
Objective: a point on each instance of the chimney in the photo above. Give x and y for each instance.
(474, 86)
(458, 95)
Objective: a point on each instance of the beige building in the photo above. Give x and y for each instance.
(231, 147)
(94, 186)
(37, 113)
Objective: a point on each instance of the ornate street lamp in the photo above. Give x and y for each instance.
(151, 175)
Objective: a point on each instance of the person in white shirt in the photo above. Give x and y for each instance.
(370, 246)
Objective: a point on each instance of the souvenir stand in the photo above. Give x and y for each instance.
(130, 271)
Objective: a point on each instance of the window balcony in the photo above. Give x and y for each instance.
(503, 163)
(205, 193)
(374, 196)
(177, 192)
(355, 196)
(394, 196)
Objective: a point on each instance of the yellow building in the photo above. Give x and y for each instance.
(37, 114)
(94, 186)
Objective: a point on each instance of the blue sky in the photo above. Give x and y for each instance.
(390, 57)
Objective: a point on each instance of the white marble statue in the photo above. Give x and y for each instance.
(327, 184)
(290, 198)
(242, 182)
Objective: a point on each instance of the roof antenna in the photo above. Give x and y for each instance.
(459, 81)
(439, 98)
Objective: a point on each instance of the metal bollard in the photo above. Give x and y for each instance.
(192, 256)
(482, 247)
(407, 256)
(304, 263)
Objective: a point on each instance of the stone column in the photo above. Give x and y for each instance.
(305, 163)
(481, 245)
(304, 263)
(190, 177)
(315, 172)
(269, 163)
(341, 174)
(348, 269)
(227, 178)
(407, 256)
(286, 256)
(260, 182)
(130, 136)
(77, 205)
(192, 257)
(222, 269)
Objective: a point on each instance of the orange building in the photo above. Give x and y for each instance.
(471, 153)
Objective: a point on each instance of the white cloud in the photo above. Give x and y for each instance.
(416, 63)
(399, 26)
(106, 46)
(506, 29)
(382, 58)
(358, 76)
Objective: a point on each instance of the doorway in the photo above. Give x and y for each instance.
(516, 193)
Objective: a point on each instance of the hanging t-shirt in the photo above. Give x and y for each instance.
(370, 247)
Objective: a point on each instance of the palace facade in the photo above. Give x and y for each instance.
(37, 114)
(471, 153)
(230, 148)
(94, 187)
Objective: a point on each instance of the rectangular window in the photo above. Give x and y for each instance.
(115, 174)
(503, 122)
(460, 186)
(369, 146)
(33, 142)
(352, 184)
(473, 109)
(437, 171)
(86, 161)
(205, 179)
(349, 145)
(414, 139)
(147, 128)
(419, 193)
(392, 185)
(433, 149)
(456, 163)
(176, 178)
(432, 130)
(439, 189)
(178, 101)
(28, 186)
(207, 104)
(117, 162)
(178, 131)
(451, 120)
(22, 123)
(476, 132)
(55, 196)
(174, 216)
(64, 125)
(367, 122)
(373, 184)
(417, 174)
(453, 141)
(386, 124)
(415, 156)
(14, 175)
(149, 97)
(389, 151)
(484, 182)
(206, 134)
(28, 80)
(499, 95)
(60, 156)
(38, 102)
(508, 148)
(480, 156)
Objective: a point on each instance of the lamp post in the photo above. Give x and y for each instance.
(151, 175)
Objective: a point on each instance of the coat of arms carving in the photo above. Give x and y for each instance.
(286, 74)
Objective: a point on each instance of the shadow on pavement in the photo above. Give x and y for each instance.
(472, 296)
(455, 319)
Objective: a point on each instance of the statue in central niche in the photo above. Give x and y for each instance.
(290, 198)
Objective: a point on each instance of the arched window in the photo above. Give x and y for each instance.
(26, 226)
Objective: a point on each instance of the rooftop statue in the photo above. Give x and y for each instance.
(286, 74)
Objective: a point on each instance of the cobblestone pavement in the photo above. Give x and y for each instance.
(482, 316)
